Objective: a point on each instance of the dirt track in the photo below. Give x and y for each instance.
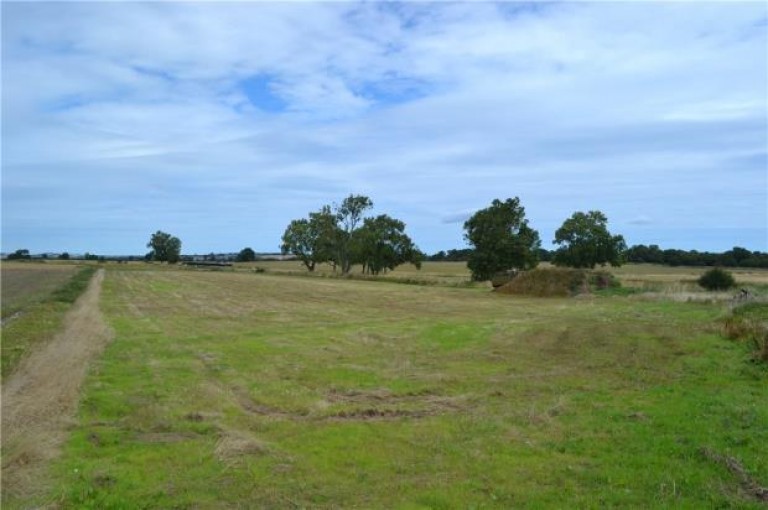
(40, 399)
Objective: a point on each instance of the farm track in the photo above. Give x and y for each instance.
(39, 400)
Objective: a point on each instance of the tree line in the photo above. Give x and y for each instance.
(647, 254)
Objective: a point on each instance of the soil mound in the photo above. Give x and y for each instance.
(558, 282)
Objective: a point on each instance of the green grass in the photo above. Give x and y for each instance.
(39, 315)
(233, 390)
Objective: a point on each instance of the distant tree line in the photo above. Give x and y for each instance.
(735, 257)
(652, 254)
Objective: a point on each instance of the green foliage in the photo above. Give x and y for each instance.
(311, 240)
(246, 255)
(165, 247)
(349, 214)
(336, 235)
(717, 279)
(64, 256)
(20, 255)
(381, 243)
(502, 240)
(586, 242)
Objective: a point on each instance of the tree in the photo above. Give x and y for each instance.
(381, 243)
(64, 256)
(348, 215)
(20, 255)
(502, 240)
(246, 255)
(311, 240)
(165, 247)
(585, 242)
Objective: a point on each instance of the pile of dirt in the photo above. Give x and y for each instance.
(558, 282)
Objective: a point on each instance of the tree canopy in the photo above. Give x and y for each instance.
(381, 243)
(585, 242)
(501, 238)
(246, 255)
(311, 240)
(164, 247)
(342, 236)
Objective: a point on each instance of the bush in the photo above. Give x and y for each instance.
(717, 279)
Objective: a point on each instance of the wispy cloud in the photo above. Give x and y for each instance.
(226, 120)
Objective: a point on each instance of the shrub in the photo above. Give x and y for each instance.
(717, 279)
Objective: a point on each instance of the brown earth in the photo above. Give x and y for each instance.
(39, 400)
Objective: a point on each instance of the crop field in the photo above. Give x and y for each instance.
(24, 283)
(232, 389)
(35, 298)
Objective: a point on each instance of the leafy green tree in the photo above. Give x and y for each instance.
(19, 255)
(502, 240)
(64, 256)
(585, 242)
(246, 255)
(348, 216)
(311, 240)
(165, 247)
(381, 243)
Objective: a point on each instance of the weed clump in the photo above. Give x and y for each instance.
(717, 279)
(749, 323)
(557, 282)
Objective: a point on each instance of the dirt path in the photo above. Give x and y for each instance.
(40, 399)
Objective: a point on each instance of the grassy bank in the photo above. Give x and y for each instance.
(35, 312)
(250, 390)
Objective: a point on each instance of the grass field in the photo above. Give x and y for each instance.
(24, 284)
(232, 389)
(35, 298)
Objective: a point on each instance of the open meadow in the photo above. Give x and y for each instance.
(236, 389)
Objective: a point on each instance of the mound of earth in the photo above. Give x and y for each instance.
(557, 282)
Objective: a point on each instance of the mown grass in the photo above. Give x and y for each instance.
(38, 315)
(27, 283)
(227, 390)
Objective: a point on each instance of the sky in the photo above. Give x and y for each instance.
(221, 122)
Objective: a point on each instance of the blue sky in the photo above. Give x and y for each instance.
(221, 122)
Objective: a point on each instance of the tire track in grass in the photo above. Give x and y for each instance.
(40, 398)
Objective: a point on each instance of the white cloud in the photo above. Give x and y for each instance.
(429, 108)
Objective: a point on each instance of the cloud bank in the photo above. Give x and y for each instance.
(221, 122)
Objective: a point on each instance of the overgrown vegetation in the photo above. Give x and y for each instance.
(717, 279)
(749, 323)
(559, 282)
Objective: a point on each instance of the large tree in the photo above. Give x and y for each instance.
(342, 236)
(585, 242)
(348, 216)
(381, 243)
(164, 247)
(502, 240)
(311, 240)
